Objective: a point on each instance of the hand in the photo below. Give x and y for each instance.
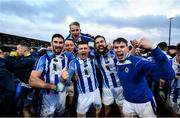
(64, 74)
(134, 43)
(59, 87)
(109, 46)
(145, 43)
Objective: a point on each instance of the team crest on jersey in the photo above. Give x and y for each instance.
(112, 56)
(126, 69)
(61, 57)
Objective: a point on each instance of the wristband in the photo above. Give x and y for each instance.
(59, 87)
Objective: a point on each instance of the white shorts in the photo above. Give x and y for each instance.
(85, 100)
(53, 103)
(172, 106)
(109, 95)
(139, 109)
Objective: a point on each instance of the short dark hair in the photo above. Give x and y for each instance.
(69, 40)
(163, 45)
(120, 40)
(82, 43)
(171, 47)
(99, 36)
(57, 35)
(74, 23)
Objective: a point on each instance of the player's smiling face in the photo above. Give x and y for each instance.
(57, 45)
(83, 51)
(69, 45)
(75, 31)
(100, 44)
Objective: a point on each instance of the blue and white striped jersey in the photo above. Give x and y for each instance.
(51, 66)
(83, 37)
(175, 84)
(107, 65)
(85, 69)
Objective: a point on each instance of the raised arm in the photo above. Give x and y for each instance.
(162, 65)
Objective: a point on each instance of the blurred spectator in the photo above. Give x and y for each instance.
(7, 89)
(21, 68)
(42, 51)
(34, 53)
(10, 88)
(172, 50)
(173, 102)
(164, 47)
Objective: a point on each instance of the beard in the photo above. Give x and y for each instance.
(103, 50)
(57, 50)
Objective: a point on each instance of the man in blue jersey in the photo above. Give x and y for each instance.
(46, 75)
(132, 71)
(87, 84)
(76, 35)
(11, 88)
(21, 66)
(174, 93)
(70, 47)
(112, 89)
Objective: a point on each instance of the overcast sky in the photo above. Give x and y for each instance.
(130, 19)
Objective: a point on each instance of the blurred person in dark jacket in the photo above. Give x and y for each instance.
(21, 67)
(7, 89)
(11, 88)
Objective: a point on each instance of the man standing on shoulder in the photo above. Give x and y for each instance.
(76, 35)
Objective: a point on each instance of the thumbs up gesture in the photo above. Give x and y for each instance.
(64, 74)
